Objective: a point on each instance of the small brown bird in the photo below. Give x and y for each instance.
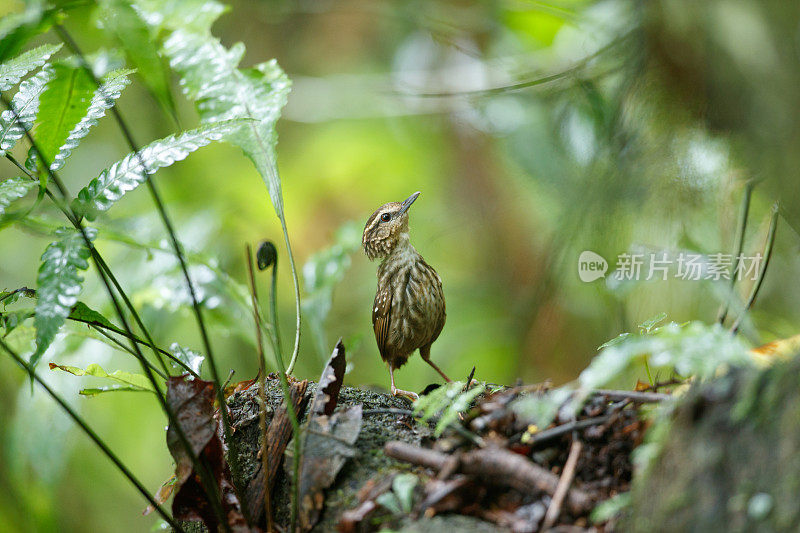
(409, 312)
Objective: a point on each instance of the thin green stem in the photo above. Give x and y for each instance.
(156, 197)
(748, 191)
(122, 346)
(296, 349)
(94, 436)
(102, 327)
(20, 166)
(773, 225)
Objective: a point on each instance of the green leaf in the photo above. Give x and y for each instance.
(128, 173)
(11, 297)
(9, 320)
(446, 402)
(16, 29)
(189, 357)
(83, 313)
(122, 21)
(605, 511)
(58, 285)
(211, 78)
(389, 501)
(648, 325)
(616, 340)
(693, 349)
(403, 486)
(15, 69)
(16, 121)
(128, 379)
(191, 15)
(62, 105)
(13, 189)
(102, 100)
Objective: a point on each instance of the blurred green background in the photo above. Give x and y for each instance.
(535, 131)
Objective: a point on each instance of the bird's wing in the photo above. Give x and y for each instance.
(381, 317)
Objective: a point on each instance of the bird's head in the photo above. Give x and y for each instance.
(387, 227)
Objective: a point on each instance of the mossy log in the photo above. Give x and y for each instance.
(729, 460)
(369, 462)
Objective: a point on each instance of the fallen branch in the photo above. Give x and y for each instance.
(563, 485)
(497, 466)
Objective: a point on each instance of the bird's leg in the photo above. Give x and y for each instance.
(425, 352)
(399, 392)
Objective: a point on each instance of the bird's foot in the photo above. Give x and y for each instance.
(413, 396)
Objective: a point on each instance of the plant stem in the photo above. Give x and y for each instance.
(296, 349)
(773, 224)
(102, 327)
(262, 391)
(748, 191)
(94, 436)
(124, 348)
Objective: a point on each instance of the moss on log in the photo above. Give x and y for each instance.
(369, 463)
(730, 460)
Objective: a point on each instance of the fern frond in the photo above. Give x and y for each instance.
(127, 174)
(58, 285)
(62, 105)
(13, 189)
(103, 99)
(211, 78)
(15, 69)
(19, 119)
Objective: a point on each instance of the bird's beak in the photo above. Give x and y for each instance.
(407, 202)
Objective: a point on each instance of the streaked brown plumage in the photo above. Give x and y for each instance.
(409, 310)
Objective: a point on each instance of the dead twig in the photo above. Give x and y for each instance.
(555, 432)
(563, 485)
(634, 396)
(496, 466)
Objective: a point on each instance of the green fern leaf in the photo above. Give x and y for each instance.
(59, 285)
(13, 189)
(124, 24)
(137, 382)
(102, 100)
(19, 119)
(62, 105)
(211, 78)
(16, 29)
(128, 173)
(15, 69)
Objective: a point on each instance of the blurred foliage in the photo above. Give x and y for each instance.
(535, 131)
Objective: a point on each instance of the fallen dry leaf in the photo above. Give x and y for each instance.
(328, 439)
(192, 401)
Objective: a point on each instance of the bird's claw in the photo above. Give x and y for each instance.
(413, 396)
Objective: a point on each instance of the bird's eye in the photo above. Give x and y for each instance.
(386, 217)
